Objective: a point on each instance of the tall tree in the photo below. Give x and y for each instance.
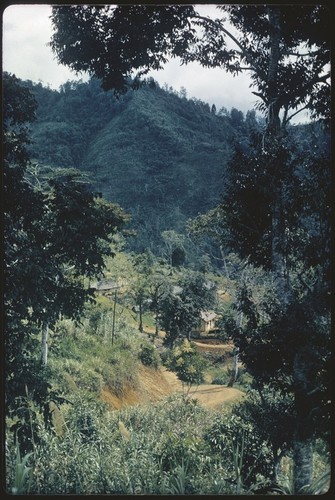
(56, 233)
(180, 306)
(140, 284)
(112, 41)
(286, 49)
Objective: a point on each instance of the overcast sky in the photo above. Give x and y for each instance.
(27, 31)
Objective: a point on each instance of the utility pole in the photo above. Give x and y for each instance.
(45, 334)
(114, 313)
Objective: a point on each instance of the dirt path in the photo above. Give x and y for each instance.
(215, 396)
(209, 395)
(213, 346)
(156, 385)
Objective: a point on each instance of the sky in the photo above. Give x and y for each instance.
(27, 31)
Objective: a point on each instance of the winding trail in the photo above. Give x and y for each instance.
(209, 395)
(156, 385)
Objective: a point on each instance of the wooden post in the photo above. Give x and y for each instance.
(45, 332)
(234, 371)
(114, 313)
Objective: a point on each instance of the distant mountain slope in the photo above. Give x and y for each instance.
(159, 155)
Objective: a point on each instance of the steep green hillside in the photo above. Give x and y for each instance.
(68, 120)
(161, 158)
(159, 155)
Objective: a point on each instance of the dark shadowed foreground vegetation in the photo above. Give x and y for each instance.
(139, 223)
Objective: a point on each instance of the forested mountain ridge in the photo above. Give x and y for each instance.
(159, 155)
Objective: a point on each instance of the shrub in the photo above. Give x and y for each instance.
(187, 363)
(220, 380)
(148, 355)
(227, 436)
(172, 447)
(91, 381)
(121, 374)
(244, 379)
(165, 356)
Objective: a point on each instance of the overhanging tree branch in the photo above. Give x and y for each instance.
(243, 51)
(285, 122)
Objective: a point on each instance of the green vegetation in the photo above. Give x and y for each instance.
(148, 151)
(174, 446)
(232, 222)
(185, 361)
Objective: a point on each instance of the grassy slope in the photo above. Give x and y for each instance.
(83, 360)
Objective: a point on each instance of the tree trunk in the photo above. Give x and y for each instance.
(140, 326)
(277, 458)
(45, 334)
(276, 465)
(278, 250)
(273, 121)
(274, 133)
(302, 455)
(224, 261)
(303, 444)
(302, 464)
(103, 328)
(234, 371)
(114, 314)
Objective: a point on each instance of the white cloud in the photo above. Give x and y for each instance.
(214, 86)
(26, 33)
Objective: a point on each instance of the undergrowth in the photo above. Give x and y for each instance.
(172, 447)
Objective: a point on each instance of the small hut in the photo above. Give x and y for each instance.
(105, 286)
(207, 321)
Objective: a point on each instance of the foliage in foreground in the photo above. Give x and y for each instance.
(174, 447)
(162, 449)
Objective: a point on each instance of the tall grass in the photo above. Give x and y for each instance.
(173, 447)
(23, 474)
(84, 358)
(156, 450)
